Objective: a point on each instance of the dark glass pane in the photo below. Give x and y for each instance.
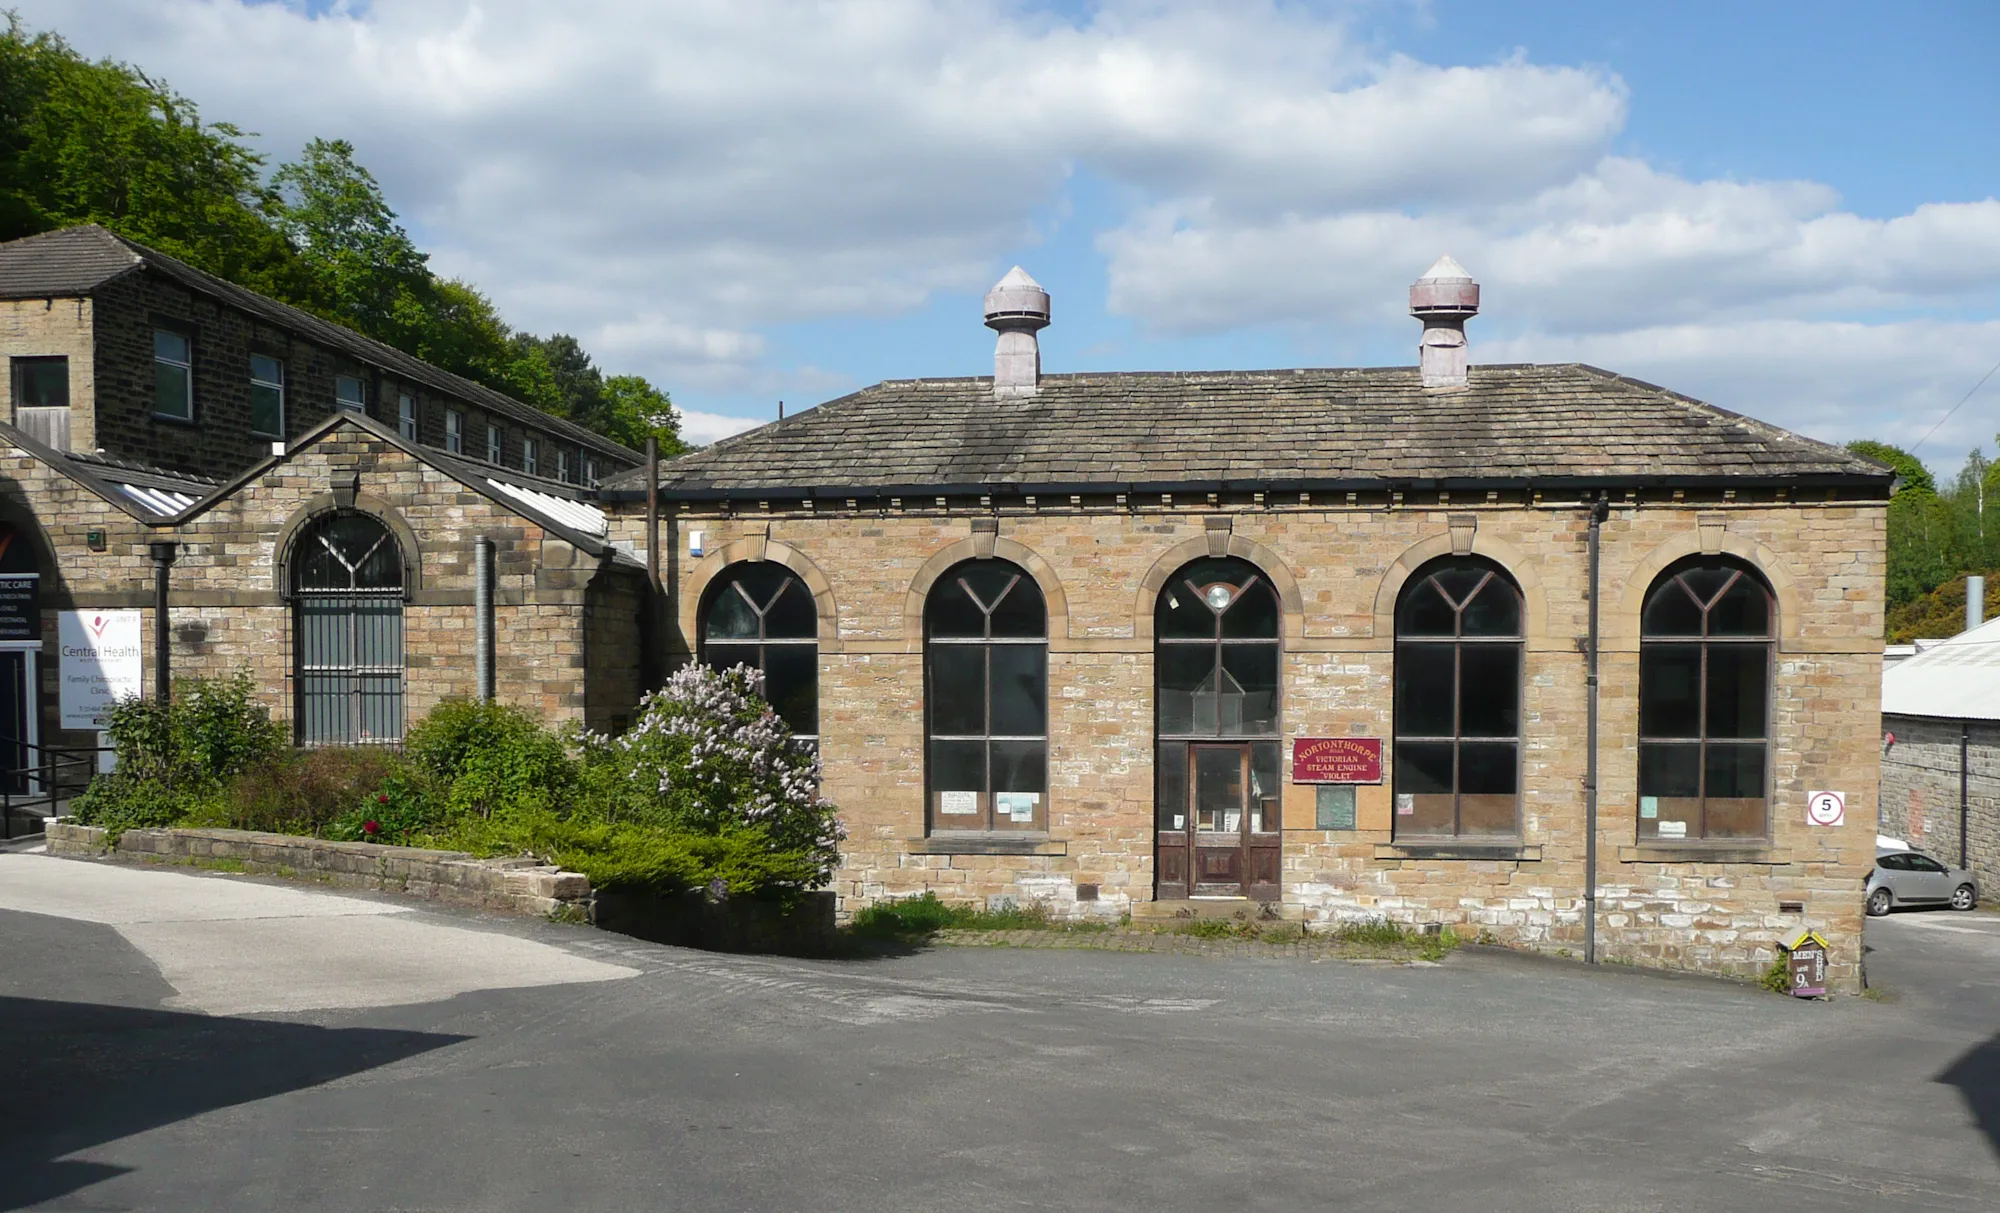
(1734, 771)
(1218, 789)
(1424, 612)
(1424, 683)
(792, 616)
(1669, 771)
(730, 615)
(791, 684)
(1182, 669)
(1022, 612)
(1170, 784)
(950, 611)
(1670, 690)
(267, 370)
(958, 766)
(381, 568)
(1670, 612)
(170, 391)
(1494, 611)
(171, 346)
(1211, 569)
(1181, 616)
(43, 382)
(1743, 610)
(958, 689)
(1253, 679)
(1705, 581)
(1736, 678)
(763, 579)
(1459, 582)
(1423, 767)
(267, 409)
(1020, 766)
(1488, 768)
(1266, 787)
(988, 579)
(1020, 690)
(1489, 703)
(1254, 614)
(729, 656)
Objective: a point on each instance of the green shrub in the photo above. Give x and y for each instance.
(212, 730)
(305, 791)
(623, 857)
(118, 803)
(489, 757)
(920, 915)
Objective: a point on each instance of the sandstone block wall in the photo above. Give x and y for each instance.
(34, 328)
(1717, 910)
(1921, 788)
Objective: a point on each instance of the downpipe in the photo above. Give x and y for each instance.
(1598, 513)
(482, 609)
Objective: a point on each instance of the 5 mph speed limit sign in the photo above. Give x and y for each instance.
(1826, 808)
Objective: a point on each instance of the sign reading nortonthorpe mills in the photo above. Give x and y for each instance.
(101, 664)
(1337, 760)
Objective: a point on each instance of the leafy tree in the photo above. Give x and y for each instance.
(635, 410)
(1912, 476)
(367, 271)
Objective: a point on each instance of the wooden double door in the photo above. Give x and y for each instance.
(1217, 832)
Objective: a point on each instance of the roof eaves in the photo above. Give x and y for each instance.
(82, 474)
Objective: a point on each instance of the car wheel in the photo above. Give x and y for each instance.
(1963, 898)
(1878, 903)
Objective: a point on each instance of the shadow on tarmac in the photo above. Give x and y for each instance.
(80, 1074)
(1977, 1077)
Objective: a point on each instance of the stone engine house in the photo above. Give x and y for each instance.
(1087, 640)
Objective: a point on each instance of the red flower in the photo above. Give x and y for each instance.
(371, 826)
(381, 798)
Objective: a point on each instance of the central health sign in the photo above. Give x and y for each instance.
(1337, 760)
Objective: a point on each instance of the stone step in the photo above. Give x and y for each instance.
(1240, 909)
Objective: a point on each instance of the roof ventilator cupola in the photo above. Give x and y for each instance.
(1017, 308)
(1444, 299)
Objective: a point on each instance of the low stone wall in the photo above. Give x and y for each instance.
(513, 886)
(698, 919)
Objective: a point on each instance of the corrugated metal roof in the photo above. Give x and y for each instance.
(573, 514)
(163, 502)
(1959, 679)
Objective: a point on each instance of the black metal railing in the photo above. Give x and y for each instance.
(38, 780)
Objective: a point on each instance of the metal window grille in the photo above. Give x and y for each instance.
(348, 620)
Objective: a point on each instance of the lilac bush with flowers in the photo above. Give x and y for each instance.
(709, 756)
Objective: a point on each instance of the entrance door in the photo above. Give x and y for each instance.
(15, 760)
(1224, 842)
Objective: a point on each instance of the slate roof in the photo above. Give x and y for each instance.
(1235, 430)
(79, 260)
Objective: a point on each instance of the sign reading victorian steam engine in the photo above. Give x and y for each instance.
(1337, 760)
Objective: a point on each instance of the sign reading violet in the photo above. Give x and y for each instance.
(101, 664)
(1337, 760)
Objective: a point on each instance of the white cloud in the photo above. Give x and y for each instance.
(671, 181)
(703, 428)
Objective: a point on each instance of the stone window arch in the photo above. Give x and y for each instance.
(760, 614)
(1459, 656)
(1707, 639)
(986, 699)
(347, 585)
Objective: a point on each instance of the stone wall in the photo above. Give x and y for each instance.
(1716, 909)
(1920, 791)
(513, 886)
(31, 328)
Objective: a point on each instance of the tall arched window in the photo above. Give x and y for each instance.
(347, 584)
(986, 699)
(1706, 640)
(1458, 702)
(760, 614)
(1216, 658)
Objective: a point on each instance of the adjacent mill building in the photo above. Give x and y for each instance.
(1543, 653)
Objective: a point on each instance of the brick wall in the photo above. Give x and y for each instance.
(1920, 791)
(1660, 908)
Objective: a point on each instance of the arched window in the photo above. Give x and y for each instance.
(986, 699)
(347, 583)
(760, 614)
(1458, 702)
(1216, 659)
(1706, 639)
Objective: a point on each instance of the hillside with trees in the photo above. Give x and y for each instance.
(103, 142)
(1936, 537)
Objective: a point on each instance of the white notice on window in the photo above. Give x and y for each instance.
(1673, 829)
(958, 804)
(1406, 804)
(1649, 807)
(1018, 806)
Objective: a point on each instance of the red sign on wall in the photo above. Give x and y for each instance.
(1337, 760)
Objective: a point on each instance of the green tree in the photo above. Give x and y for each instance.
(1911, 474)
(371, 275)
(635, 410)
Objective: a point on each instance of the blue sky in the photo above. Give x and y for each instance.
(1784, 208)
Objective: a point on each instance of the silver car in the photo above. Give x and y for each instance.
(1907, 878)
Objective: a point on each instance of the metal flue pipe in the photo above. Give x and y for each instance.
(482, 607)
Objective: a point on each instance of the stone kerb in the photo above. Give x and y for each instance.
(515, 886)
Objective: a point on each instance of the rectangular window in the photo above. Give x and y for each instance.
(562, 466)
(173, 375)
(406, 415)
(41, 383)
(531, 456)
(267, 396)
(493, 444)
(454, 431)
(350, 393)
(590, 472)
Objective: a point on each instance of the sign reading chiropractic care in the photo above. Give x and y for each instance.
(101, 664)
(1337, 760)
